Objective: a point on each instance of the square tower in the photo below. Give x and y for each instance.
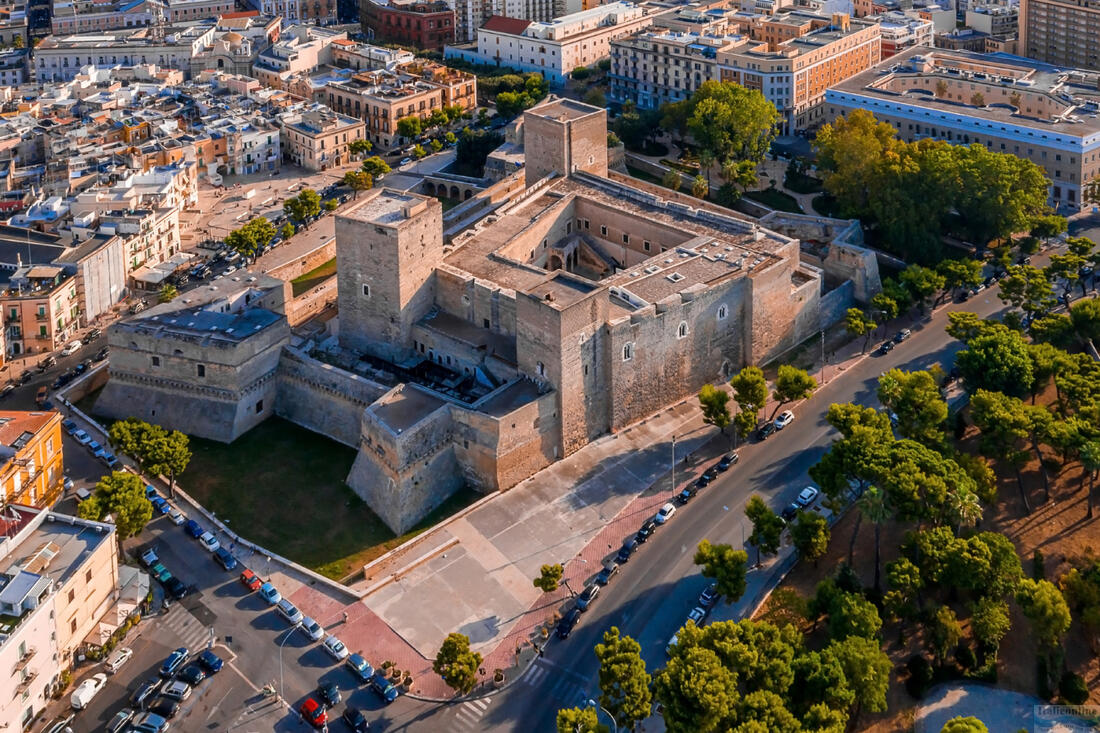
(562, 136)
(387, 248)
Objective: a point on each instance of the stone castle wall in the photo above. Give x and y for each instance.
(323, 398)
(309, 261)
(475, 300)
(307, 305)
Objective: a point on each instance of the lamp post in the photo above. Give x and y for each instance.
(614, 724)
(285, 637)
(674, 464)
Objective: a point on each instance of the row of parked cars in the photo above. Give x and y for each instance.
(156, 701)
(83, 438)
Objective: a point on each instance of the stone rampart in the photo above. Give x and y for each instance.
(307, 305)
(309, 261)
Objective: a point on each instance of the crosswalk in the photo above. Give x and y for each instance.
(184, 627)
(470, 713)
(567, 687)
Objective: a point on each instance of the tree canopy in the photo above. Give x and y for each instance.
(624, 682)
(456, 664)
(726, 566)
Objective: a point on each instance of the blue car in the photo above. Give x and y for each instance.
(194, 529)
(225, 558)
(270, 594)
(360, 667)
(210, 661)
(381, 684)
(161, 505)
(174, 661)
(69, 426)
(150, 492)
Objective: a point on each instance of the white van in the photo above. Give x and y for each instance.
(118, 658)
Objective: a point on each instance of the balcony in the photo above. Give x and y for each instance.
(26, 683)
(22, 663)
(41, 317)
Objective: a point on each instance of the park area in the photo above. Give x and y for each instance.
(282, 487)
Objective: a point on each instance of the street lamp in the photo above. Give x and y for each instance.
(285, 637)
(614, 724)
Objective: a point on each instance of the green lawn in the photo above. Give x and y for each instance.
(642, 175)
(776, 199)
(282, 486)
(305, 282)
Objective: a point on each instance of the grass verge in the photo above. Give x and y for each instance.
(306, 281)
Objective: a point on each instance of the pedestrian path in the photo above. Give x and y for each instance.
(184, 628)
(470, 713)
(570, 689)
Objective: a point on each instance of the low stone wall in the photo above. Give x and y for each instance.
(309, 261)
(307, 305)
(323, 398)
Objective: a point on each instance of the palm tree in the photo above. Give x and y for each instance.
(871, 505)
(1090, 461)
(965, 508)
(706, 160)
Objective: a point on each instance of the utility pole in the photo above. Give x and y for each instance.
(823, 356)
(674, 464)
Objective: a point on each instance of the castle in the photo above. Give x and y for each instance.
(563, 303)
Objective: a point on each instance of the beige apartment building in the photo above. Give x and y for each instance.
(60, 583)
(1007, 105)
(31, 466)
(318, 139)
(382, 97)
(41, 309)
(656, 67)
(795, 57)
(1065, 33)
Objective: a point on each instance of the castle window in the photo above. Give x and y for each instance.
(603, 231)
(540, 369)
(628, 351)
(626, 239)
(201, 369)
(645, 245)
(156, 361)
(366, 291)
(723, 311)
(259, 407)
(682, 330)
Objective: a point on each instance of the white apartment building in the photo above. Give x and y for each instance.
(300, 48)
(61, 58)
(59, 583)
(655, 67)
(557, 47)
(903, 29)
(999, 21)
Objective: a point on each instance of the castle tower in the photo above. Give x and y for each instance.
(563, 136)
(386, 250)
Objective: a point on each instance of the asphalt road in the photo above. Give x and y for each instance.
(652, 594)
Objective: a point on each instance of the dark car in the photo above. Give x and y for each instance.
(646, 531)
(69, 426)
(711, 473)
(100, 355)
(790, 512)
(225, 558)
(885, 347)
(192, 674)
(709, 596)
(355, 720)
(329, 694)
(165, 707)
(626, 550)
(727, 460)
(146, 692)
(81, 368)
(902, 335)
(210, 661)
(194, 529)
(381, 684)
(702, 482)
(608, 572)
(687, 494)
(7, 390)
(568, 621)
(765, 430)
(175, 587)
(174, 661)
(25, 377)
(584, 600)
(360, 667)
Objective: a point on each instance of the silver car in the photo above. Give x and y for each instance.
(312, 629)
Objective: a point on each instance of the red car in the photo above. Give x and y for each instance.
(314, 713)
(251, 580)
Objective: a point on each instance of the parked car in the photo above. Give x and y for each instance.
(709, 596)
(335, 648)
(697, 615)
(360, 667)
(110, 460)
(46, 363)
(288, 611)
(177, 690)
(43, 395)
(100, 355)
(119, 723)
(885, 348)
(145, 692)
(807, 496)
(209, 542)
(711, 473)
(93, 335)
(902, 335)
(381, 684)
(329, 693)
(68, 426)
(568, 622)
(727, 460)
(609, 570)
(225, 558)
(149, 722)
(160, 505)
(174, 661)
(194, 529)
(790, 512)
(192, 674)
(628, 548)
(176, 588)
(645, 531)
(120, 656)
(149, 557)
(765, 430)
(250, 580)
(210, 662)
(71, 348)
(177, 517)
(165, 708)
(687, 494)
(355, 720)
(584, 600)
(87, 689)
(665, 513)
(312, 629)
(784, 419)
(270, 594)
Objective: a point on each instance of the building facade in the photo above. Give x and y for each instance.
(320, 12)
(32, 468)
(655, 67)
(427, 25)
(41, 309)
(1028, 110)
(318, 139)
(901, 30)
(999, 21)
(61, 58)
(1065, 33)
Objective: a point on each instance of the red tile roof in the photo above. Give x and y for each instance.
(242, 14)
(504, 24)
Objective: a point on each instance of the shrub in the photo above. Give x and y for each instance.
(920, 675)
(581, 72)
(1037, 565)
(847, 580)
(1073, 689)
(964, 655)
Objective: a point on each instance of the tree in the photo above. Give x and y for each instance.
(167, 293)
(943, 633)
(922, 283)
(697, 692)
(726, 566)
(699, 187)
(792, 384)
(438, 118)
(867, 669)
(474, 147)
(998, 361)
(853, 615)
(671, 179)
(579, 720)
(1045, 607)
(1027, 288)
(872, 505)
(624, 682)
(168, 454)
(135, 438)
(819, 678)
(305, 205)
(409, 127)
(549, 577)
(456, 664)
(450, 138)
(857, 323)
(750, 389)
(767, 527)
(730, 121)
(376, 167)
(960, 274)
(904, 580)
(120, 495)
(810, 535)
(418, 151)
(331, 205)
(1003, 425)
(969, 724)
(18, 42)
(715, 405)
(915, 398)
(1090, 462)
(359, 146)
(595, 97)
(435, 145)
(358, 181)
(287, 230)
(989, 622)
